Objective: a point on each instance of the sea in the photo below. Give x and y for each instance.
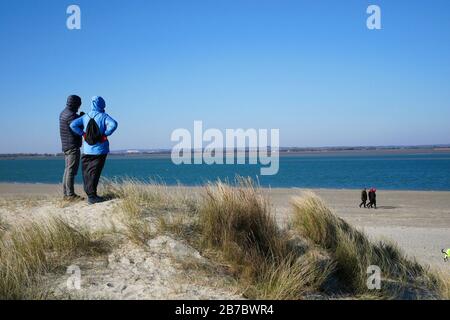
(405, 171)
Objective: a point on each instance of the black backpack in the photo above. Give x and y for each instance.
(93, 134)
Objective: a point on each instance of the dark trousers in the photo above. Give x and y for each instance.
(92, 170)
(72, 160)
(364, 202)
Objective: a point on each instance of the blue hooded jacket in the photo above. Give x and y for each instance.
(106, 124)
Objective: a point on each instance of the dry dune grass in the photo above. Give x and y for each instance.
(232, 224)
(236, 221)
(3, 226)
(142, 201)
(444, 286)
(28, 252)
(354, 253)
(293, 277)
(149, 197)
(27, 202)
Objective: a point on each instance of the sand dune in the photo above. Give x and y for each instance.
(418, 221)
(155, 270)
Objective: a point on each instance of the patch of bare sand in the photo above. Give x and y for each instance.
(163, 268)
(97, 218)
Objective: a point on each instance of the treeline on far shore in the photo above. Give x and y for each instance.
(283, 150)
(27, 155)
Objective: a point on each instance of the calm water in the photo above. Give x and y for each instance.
(404, 172)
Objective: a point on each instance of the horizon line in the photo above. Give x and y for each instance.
(281, 149)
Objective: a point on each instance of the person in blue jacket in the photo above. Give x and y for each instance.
(94, 156)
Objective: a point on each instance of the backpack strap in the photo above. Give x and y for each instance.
(93, 116)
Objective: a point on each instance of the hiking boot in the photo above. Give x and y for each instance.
(95, 199)
(74, 197)
(102, 199)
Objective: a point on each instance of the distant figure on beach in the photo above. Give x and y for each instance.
(446, 254)
(71, 144)
(95, 126)
(372, 198)
(363, 198)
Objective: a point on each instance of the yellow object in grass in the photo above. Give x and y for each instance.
(446, 254)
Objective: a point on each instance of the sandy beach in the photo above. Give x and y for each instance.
(419, 221)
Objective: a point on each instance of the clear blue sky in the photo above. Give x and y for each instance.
(310, 68)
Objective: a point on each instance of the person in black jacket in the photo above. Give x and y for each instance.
(71, 144)
(363, 198)
(372, 198)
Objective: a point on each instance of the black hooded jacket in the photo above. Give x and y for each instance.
(69, 139)
(364, 195)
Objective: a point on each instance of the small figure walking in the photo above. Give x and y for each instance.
(372, 198)
(363, 198)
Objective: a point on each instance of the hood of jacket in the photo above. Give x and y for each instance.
(98, 104)
(73, 103)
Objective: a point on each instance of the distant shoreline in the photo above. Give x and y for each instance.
(284, 152)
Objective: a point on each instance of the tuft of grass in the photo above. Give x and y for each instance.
(150, 197)
(354, 253)
(28, 252)
(293, 277)
(140, 201)
(14, 204)
(443, 286)
(3, 226)
(176, 225)
(236, 222)
(138, 230)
